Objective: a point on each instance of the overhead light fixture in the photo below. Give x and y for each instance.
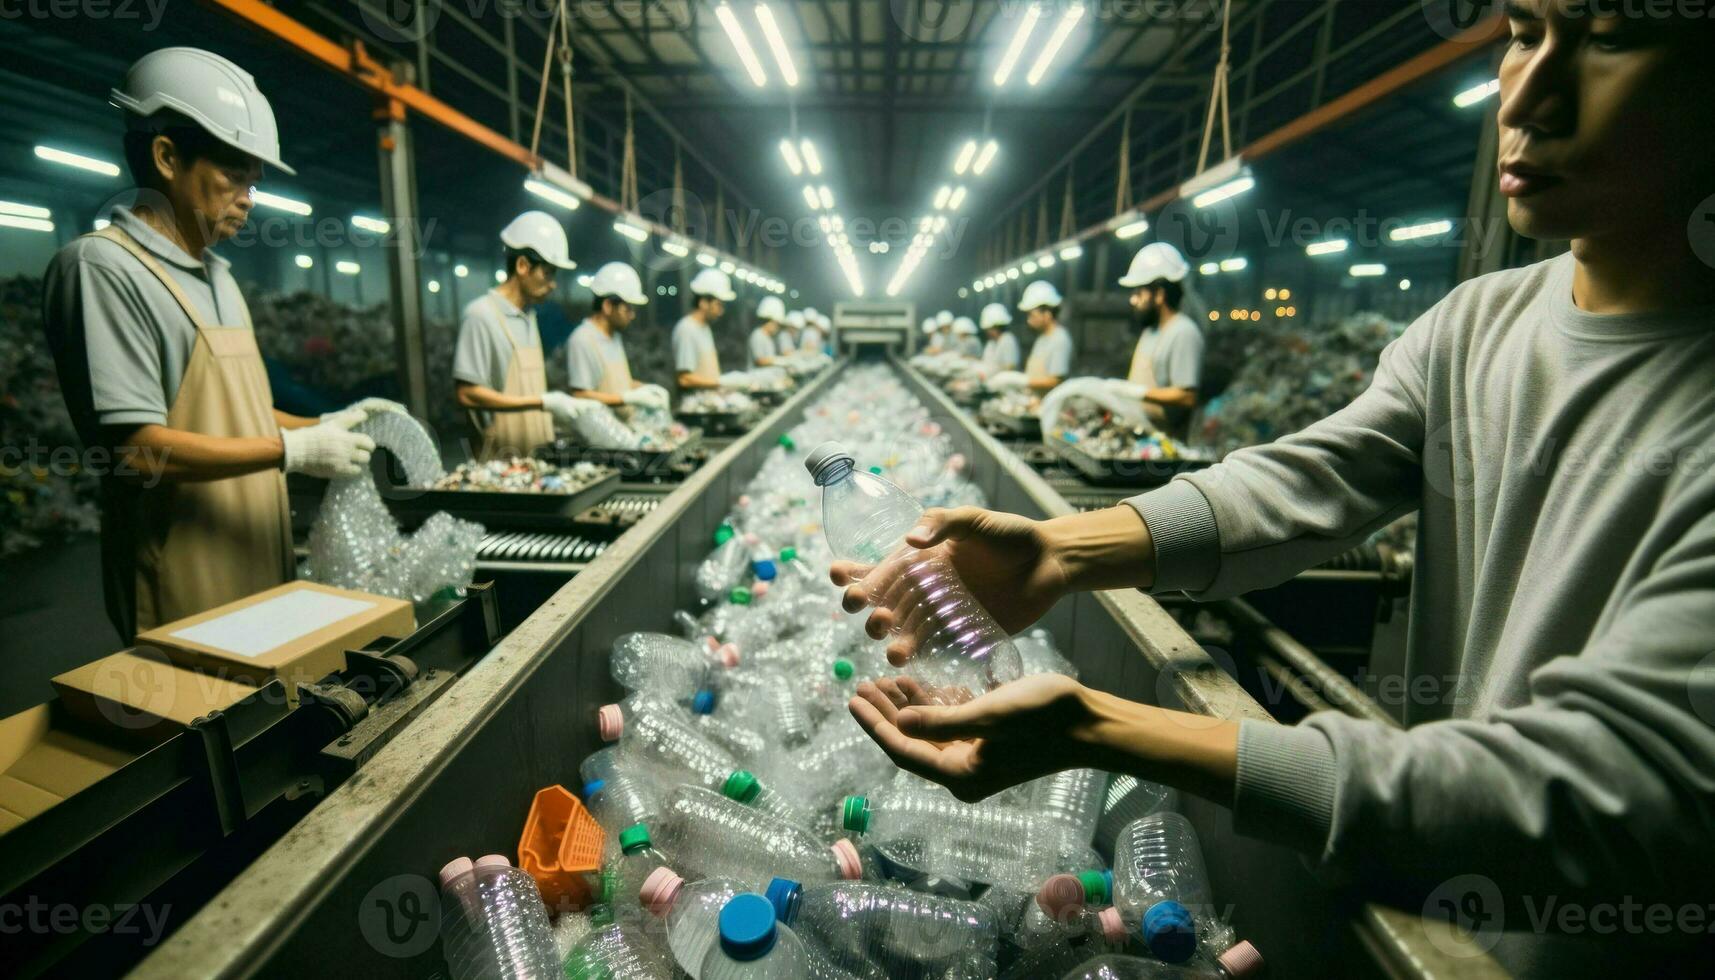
(1068, 20)
(1071, 252)
(985, 158)
(461, 270)
(367, 223)
(1046, 261)
(957, 199)
(967, 153)
(499, 276)
(826, 225)
(826, 195)
(553, 195)
(303, 261)
(1015, 48)
(585, 281)
(1234, 264)
(940, 224)
(17, 210)
(1216, 195)
(1028, 267)
(1365, 270)
(347, 268)
(793, 162)
(280, 203)
(1012, 273)
(838, 222)
(1404, 284)
(777, 44)
(812, 159)
(78, 160)
(728, 268)
(740, 44)
(631, 229)
(1477, 93)
(811, 199)
(674, 248)
(1132, 229)
(1427, 229)
(1209, 268)
(704, 258)
(25, 224)
(1226, 179)
(942, 195)
(1332, 246)
(434, 285)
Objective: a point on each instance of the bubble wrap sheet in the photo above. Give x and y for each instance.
(356, 544)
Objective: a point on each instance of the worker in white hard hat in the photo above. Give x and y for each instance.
(498, 372)
(770, 314)
(934, 339)
(1167, 365)
(786, 341)
(965, 337)
(595, 353)
(1050, 358)
(696, 363)
(1000, 352)
(814, 338)
(158, 363)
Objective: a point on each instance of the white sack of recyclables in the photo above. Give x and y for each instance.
(1105, 393)
(355, 542)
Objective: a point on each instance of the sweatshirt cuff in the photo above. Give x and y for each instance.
(1187, 544)
(1285, 788)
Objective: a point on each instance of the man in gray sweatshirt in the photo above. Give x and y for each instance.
(1554, 426)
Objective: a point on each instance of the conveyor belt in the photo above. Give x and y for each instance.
(537, 547)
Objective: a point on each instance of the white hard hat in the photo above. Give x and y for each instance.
(795, 320)
(539, 233)
(208, 90)
(930, 326)
(944, 318)
(771, 309)
(964, 326)
(811, 314)
(619, 279)
(995, 315)
(1157, 260)
(713, 282)
(1039, 293)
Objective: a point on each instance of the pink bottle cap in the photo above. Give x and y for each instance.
(1242, 960)
(1113, 928)
(729, 654)
(610, 722)
(759, 590)
(659, 891)
(744, 500)
(457, 866)
(711, 643)
(752, 540)
(956, 462)
(493, 861)
(1061, 896)
(846, 857)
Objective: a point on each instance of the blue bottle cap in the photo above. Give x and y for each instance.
(703, 702)
(593, 787)
(763, 569)
(783, 894)
(1169, 932)
(747, 927)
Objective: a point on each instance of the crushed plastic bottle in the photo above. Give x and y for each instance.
(711, 836)
(493, 922)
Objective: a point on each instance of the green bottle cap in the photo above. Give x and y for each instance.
(855, 814)
(724, 533)
(1095, 887)
(788, 553)
(843, 669)
(786, 443)
(876, 470)
(741, 786)
(634, 838)
(739, 596)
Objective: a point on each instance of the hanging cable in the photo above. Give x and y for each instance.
(628, 162)
(1218, 95)
(1122, 189)
(1068, 220)
(557, 51)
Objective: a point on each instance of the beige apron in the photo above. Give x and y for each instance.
(1143, 373)
(1036, 365)
(193, 546)
(519, 433)
(615, 374)
(709, 362)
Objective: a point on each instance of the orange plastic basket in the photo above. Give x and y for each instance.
(561, 848)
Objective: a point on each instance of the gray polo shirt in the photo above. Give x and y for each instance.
(1051, 353)
(761, 346)
(588, 353)
(1176, 351)
(484, 352)
(120, 340)
(691, 342)
(1001, 354)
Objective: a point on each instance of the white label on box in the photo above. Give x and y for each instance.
(255, 630)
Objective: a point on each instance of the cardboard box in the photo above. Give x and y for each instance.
(42, 764)
(140, 693)
(298, 632)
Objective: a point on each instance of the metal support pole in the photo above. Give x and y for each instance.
(403, 248)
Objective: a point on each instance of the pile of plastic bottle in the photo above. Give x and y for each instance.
(749, 828)
(521, 474)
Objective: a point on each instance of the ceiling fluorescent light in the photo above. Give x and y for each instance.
(1366, 269)
(1234, 264)
(1232, 188)
(729, 268)
(941, 196)
(1045, 261)
(347, 268)
(1014, 49)
(25, 224)
(674, 248)
(1427, 229)
(280, 203)
(1209, 268)
(810, 197)
(367, 223)
(793, 163)
(24, 210)
(78, 160)
(985, 157)
(1071, 252)
(740, 44)
(1332, 246)
(1068, 20)
(553, 195)
(826, 195)
(812, 159)
(704, 258)
(1132, 229)
(777, 44)
(1028, 267)
(957, 199)
(560, 178)
(967, 153)
(1476, 94)
(630, 229)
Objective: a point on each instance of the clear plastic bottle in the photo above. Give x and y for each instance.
(1235, 964)
(692, 911)
(979, 841)
(1073, 798)
(1064, 897)
(493, 922)
(725, 567)
(711, 836)
(743, 787)
(622, 799)
(876, 930)
(623, 878)
(666, 664)
(570, 928)
(1053, 958)
(656, 735)
(866, 518)
(1161, 887)
(764, 701)
(747, 745)
(753, 945)
(841, 759)
(621, 951)
(1129, 798)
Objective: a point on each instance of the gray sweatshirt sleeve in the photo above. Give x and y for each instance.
(1602, 785)
(1266, 513)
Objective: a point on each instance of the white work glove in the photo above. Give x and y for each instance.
(326, 451)
(1007, 379)
(661, 393)
(1129, 390)
(564, 406)
(736, 380)
(647, 396)
(362, 409)
(345, 417)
